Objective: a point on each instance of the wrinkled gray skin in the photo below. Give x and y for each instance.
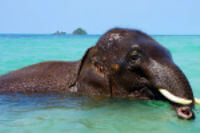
(123, 63)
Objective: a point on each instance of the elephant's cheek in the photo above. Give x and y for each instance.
(96, 81)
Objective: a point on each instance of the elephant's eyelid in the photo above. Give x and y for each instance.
(136, 49)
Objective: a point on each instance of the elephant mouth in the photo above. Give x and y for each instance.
(185, 113)
(181, 105)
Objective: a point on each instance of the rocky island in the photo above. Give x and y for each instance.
(79, 31)
(59, 33)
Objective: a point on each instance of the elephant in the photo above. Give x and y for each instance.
(124, 63)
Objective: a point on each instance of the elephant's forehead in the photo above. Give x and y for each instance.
(116, 44)
(115, 36)
(110, 41)
(155, 50)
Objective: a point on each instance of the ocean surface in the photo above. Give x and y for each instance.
(65, 114)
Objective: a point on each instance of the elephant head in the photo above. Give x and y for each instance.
(129, 63)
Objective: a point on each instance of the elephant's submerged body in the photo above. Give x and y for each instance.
(123, 63)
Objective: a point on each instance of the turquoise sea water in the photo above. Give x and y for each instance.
(51, 113)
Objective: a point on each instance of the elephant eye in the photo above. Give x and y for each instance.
(135, 55)
(134, 59)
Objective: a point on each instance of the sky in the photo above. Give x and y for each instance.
(98, 16)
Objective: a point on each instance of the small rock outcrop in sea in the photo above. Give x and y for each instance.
(79, 31)
(59, 33)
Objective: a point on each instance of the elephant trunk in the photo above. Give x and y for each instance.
(172, 84)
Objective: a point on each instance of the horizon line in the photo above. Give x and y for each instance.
(94, 34)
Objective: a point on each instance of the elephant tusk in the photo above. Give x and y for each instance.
(197, 101)
(174, 98)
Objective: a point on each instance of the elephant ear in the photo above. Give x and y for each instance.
(83, 60)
